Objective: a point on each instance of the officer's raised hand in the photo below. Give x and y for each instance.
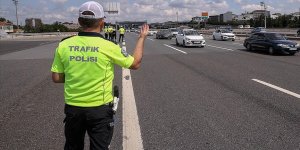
(139, 48)
(144, 31)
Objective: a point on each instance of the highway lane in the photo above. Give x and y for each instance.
(31, 110)
(8, 46)
(206, 99)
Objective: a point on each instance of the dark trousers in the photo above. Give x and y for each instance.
(96, 121)
(106, 35)
(121, 36)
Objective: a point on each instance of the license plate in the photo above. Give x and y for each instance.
(293, 49)
(197, 42)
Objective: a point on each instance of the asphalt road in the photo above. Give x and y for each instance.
(13, 46)
(205, 98)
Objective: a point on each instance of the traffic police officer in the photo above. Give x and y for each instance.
(122, 32)
(110, 30)
(85, 64)
(105, 32)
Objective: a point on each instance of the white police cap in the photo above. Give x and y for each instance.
(93, 7)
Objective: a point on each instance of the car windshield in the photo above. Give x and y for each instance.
(260, 29)
(191, 32)
(275, 36)
(226, 31)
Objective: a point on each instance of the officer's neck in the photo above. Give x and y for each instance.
(97, 30)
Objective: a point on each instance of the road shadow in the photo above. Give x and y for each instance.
(264, 52)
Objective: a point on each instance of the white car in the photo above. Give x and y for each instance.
(223, 34)
(152, 32)
(174, 31)
(189, 37)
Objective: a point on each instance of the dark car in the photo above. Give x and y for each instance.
(271, 42)
(258, 29)
(164, 34)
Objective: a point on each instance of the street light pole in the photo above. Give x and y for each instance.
(265, 9)
(177, 15)
(16, 2)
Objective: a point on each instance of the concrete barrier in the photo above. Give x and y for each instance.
(37, 36)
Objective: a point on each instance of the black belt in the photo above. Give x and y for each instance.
(110, 104)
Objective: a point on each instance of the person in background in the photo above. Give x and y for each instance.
(121, 34)
(105, 32)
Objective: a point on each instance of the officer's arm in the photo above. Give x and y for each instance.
(58, 77)
(139, 48)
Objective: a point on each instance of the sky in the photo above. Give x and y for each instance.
(139, 10)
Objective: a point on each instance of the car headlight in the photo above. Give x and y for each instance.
(187, 39)
(297, 45)
(282, 45)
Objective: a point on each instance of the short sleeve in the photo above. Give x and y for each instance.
(57, 65)
(120, 57)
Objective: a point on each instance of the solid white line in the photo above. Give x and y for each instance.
(150, 39)
(175, 49)
(132, 138)
(220, 47)
(277, 88)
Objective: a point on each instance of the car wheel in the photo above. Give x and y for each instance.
(183, 43)
(214, 38)
(249, 47)
(292, 53)
(271, 51)
(177, 43)
(233, 39)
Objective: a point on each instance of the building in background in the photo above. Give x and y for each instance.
(258, 13)
(228, 16)
(214, 18)
(131, 24)
(245, 16)
(276, 15)
(7, 27)
(71, 25)
(296, 14)
(33, 22)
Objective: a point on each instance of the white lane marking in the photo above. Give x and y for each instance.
(175, 49)
(238, 44)
(150, 39)
(228, 49)
(132, 138)
(277, 88)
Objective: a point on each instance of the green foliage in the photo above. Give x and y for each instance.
(284, 21)
(55, 27)
(2, 19)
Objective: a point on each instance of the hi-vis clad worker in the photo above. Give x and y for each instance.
(122, 32)
(110, 33)
(85, 64)
(105, 32)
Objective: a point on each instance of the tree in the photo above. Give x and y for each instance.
(2, 19)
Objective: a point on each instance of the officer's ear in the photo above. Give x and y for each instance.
(101, 23)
